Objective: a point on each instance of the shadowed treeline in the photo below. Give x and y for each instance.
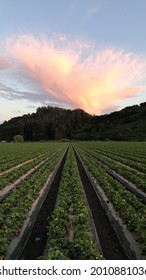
(52, 123)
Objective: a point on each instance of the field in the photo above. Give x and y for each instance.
(80, 200)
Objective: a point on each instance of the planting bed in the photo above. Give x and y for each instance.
(86, 200)
(38, 237)
(127, 207)
(110, 244)
(11, 186)
(17, 204)
(71, 231)
(130, 186)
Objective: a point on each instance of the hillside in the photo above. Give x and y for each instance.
(52, 123)
(129, 124)
(48, 123)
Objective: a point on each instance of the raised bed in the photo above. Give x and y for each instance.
(133, 188)
(7, 189)
(71, 230)
(126, 237)
(18, 243)
(130, 174)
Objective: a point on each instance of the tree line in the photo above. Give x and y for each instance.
(53, 123)
(48, 123)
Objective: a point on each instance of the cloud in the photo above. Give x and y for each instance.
(11, 93)
(4, 64)
(75, 74)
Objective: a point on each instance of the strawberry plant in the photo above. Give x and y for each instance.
(69, 228)
(127, 205)
(13, 212)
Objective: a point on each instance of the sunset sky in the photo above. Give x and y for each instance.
(88, 54)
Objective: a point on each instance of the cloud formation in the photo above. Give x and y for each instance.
(74, 73)
(11, 93)
(4, 64)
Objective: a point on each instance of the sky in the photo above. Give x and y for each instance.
(88, 54)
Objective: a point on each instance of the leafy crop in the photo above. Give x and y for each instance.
(15, 207)
(69, 231)
(127, 205)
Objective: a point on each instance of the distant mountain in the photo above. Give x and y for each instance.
(53, 123)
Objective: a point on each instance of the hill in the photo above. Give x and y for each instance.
(48, 123)
(129, 124)
(53, 123)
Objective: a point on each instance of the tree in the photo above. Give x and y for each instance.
(18, 138)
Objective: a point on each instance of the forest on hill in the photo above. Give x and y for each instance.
(48, 123)
(129, 124)
(53, 123)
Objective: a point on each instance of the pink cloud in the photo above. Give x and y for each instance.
(4, 64)
(72, 73)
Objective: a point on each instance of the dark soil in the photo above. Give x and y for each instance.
(38, 238)
(112, 249)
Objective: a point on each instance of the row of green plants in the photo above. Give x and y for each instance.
(13, 154)
(132, 175)
(128, 206)
(15, 207)
(138, 166)
(5, 168)
(11, 176)
(69, 232)
(135, 151)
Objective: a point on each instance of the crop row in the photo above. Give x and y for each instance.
(9, 166)
(124, 160)
(13, 175)
(127, 205)
(10, 153)
(133, 176)
(16, 205)
(69, 230)
(134, 151)
(14, 154)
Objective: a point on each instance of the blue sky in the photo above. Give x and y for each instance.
(71, 53)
